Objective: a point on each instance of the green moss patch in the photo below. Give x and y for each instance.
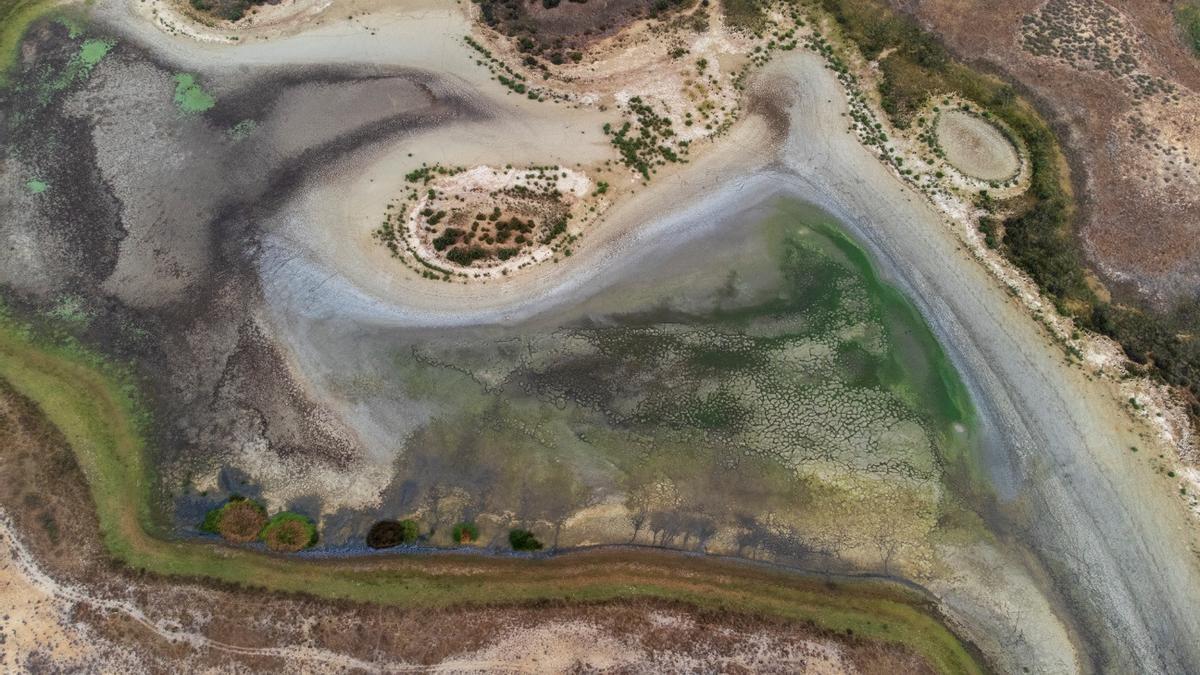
(189, 96)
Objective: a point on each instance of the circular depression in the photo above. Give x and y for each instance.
(976, 147)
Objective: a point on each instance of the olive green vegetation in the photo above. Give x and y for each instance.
(1037, 234)
(465, 533)
(746, 14)
(1187, 14)
(233, 10)
(15, 17)
(94, 406)
(523, 540)
(289, 532)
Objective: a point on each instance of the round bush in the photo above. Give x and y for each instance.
(238, 520)
(389, 533)
(465, 533)
(523, 540)
(289, 532)
(241, 521)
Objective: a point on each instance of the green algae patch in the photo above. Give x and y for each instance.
(242, 130)
(70, 311)
(36, 187)
(93, 51)
(190, 97)
(917, 369)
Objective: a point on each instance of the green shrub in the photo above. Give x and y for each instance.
(1187, 14)
(465, 533)
(238, 520)
(523, 540)
(289, 532)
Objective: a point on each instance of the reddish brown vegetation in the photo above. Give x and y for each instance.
(241, 522)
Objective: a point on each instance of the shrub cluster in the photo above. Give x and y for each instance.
(240, 520)
(232, 10)
(647, 141)
(465, 533)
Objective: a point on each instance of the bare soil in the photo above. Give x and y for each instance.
(1122, 89)
(975, 147)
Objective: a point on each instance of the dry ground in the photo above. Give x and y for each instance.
(1123, 90)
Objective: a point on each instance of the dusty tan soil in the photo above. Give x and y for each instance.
(1122, 88)
(975, 147)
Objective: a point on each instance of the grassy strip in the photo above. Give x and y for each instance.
(1187, 15)
(98, 416)
(15, 17)
(1037, 234)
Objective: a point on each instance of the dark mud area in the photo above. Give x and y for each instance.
(141, 236)
(553, 30)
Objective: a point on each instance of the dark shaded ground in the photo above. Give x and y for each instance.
(554, 31)
(233, 10)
